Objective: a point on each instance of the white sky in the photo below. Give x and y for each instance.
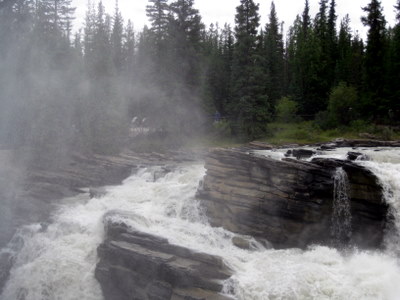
(223, 11)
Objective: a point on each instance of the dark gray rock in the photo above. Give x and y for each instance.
(241, 243)
(365, 143)
(355, 156)
(137, 265)
(327, 147)
(6, 262)
(302, 153)
(97, 192)
(288, 202)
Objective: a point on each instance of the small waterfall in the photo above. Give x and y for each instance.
(341, 214)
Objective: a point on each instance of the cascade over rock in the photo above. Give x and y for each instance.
(137, 265)
(289, 202)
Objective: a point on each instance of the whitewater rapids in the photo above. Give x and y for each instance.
(57, 261)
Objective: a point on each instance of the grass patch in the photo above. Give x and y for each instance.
(308, 133)
(303, 133)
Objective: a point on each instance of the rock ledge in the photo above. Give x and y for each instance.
(137, 265)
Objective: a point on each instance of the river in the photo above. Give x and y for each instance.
(57, 260)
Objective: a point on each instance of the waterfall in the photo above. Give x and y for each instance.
(58, 262)
(341, 214)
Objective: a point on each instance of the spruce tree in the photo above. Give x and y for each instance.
(185, 37)
(222, 87)
(305, 66)
(274, 52)
(325, 35)
(332, 43)
(116, 38)
(344, 62)
(394, 68)
(249, 107)
(128, 47)
(375, 59)
(306, 19)
(157, 12)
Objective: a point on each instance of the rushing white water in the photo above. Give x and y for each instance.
(388, 173)
(341, 215)
(58, 262)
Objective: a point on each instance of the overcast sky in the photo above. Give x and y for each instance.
(223, 11)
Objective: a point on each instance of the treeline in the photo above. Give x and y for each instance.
(318, 72)
(62, 90)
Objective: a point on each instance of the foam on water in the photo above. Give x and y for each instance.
(58, 262)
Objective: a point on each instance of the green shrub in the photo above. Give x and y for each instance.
(324, 120)
(286, 110)
(387, 133)
(342, 104)
(299, 134)
(360, 126)
(222, 128)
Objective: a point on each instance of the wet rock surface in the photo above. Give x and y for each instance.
(288, 202)
(137, 265)
(302, 153)
(355, 155)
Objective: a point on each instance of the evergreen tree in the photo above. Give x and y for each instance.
(332, 43)
(325, 52)
(249, 109)
(375, 58)
(129, 46)
(89, 31)
(102, 58)
(218, 76)
(54, 19)
(274, 52)
(185, 37)
(305, 66)
(306, 19)
(332, 35)
(157, 12)
(344, 62)
(397, 7)
(394, 68)
(116, 38)
(16, 23)
(321, 23)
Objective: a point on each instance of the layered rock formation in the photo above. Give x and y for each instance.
(288, 202)
(136, 265)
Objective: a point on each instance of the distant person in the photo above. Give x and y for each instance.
(217, 116)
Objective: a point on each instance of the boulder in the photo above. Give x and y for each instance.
(355, 155)
(302, 153)
(288, 202)
(137, 265)
(97, 192)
